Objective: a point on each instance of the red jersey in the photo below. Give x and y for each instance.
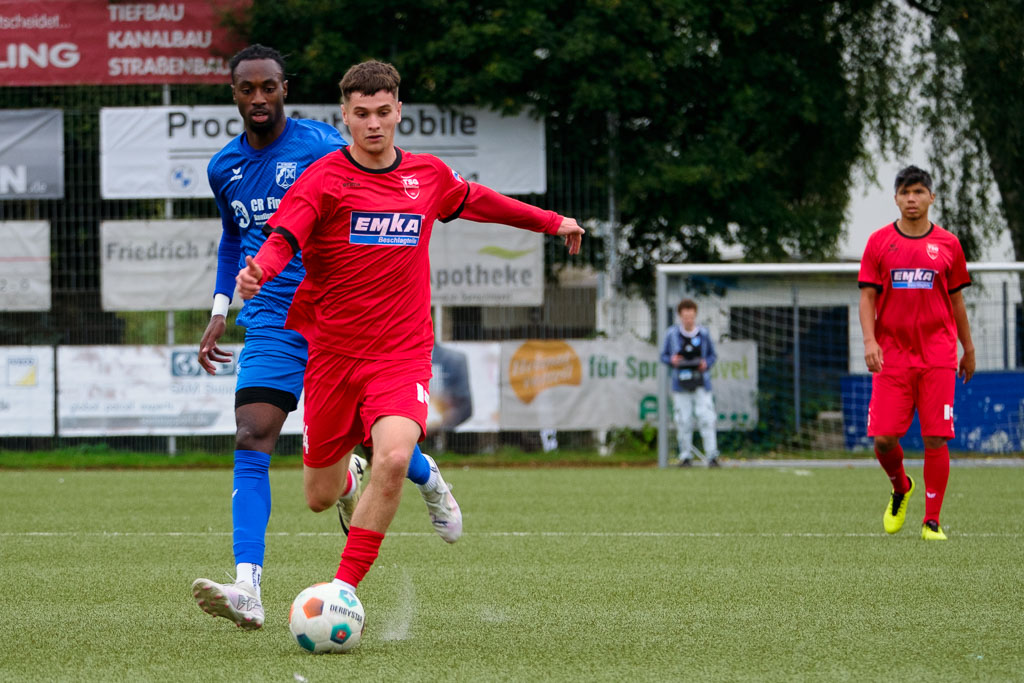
(364, 236)
(914, 277)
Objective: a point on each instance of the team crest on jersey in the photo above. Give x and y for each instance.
(933, 250)
(912, 278)
(385, 229)
(286, 173)
(411, 186)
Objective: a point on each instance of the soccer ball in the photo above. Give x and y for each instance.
(327, 618)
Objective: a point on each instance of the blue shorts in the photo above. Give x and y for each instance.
(272, 359)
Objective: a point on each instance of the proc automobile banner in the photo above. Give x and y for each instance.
(31, 153)
(86, 42)
(158, 152)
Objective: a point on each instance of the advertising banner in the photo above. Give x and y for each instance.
(464, 394)
(988, 415)
(579, 385)
(25, 266)
(734, 385)
(158, 152)
(79, 42)
(31, 153)
(483, 264)
(26, 391)
(151, 390)
(164, 265)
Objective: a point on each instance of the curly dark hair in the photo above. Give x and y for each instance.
(256, 51)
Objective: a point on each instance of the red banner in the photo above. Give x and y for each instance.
(73, 42)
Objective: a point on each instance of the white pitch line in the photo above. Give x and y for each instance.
(495, 534)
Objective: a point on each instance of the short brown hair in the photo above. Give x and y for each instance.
(686, 304)
(369, 78)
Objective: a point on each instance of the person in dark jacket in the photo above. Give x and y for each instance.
(689, 353)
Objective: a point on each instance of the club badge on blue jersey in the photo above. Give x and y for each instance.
(286, 173)
(912, 278)
(385, 229)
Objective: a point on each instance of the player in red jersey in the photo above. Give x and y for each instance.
(362, 218)
(912, 313)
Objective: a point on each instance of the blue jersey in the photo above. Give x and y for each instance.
(248, 184)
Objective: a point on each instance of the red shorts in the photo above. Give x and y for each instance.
(345, 396)
(896, 392)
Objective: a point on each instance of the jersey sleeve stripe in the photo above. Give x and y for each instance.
(289, 238)
(957, 289)
(872, 285)
(455, 214)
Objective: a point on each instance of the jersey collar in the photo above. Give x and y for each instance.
(380, 171)
(269, 149)
(896, 227)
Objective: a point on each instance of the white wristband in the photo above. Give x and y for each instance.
(220, 305)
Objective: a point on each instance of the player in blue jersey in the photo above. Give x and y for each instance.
(249, 176)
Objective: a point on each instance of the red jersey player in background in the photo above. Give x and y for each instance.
(362, 218)
(912, 313)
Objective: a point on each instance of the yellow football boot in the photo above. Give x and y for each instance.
(896, 510)
(931, 531)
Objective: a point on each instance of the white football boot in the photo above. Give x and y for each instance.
(445, 514)
(347, 505)
(234, 601)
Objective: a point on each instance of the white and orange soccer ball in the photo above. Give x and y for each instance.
(327, 618)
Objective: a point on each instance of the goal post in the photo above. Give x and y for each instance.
(791, 378)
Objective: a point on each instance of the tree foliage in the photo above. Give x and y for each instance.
(736, 122)
(972, 80)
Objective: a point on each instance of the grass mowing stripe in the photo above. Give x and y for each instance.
(563, 575)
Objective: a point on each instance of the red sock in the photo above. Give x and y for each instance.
(936, 476)
(349, 483)
(892, 463)
(360, 551)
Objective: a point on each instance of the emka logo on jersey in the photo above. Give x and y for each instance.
(386, 229)
(286, 173)
(912, 278)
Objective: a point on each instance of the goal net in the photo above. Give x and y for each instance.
(790, 378)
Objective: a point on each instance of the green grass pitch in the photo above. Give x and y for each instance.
(586, 574)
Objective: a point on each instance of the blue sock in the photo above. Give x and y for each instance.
(419, 468)
(250, 505)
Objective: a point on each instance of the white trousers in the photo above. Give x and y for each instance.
(698, 407)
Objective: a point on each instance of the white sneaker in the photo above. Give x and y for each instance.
(347, 505)
(445, 514)
(234, 601)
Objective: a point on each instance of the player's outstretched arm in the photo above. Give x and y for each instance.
(248, 279)
(573, 234)
(484, 205)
